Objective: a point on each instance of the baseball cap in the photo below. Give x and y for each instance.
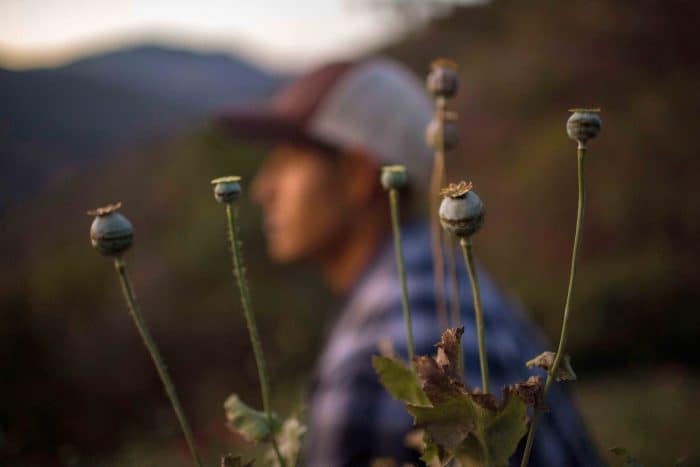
(376, 105)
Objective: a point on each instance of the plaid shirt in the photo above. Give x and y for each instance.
(354, 420)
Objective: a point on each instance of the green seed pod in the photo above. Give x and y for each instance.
(227, 189)
(461, 210)
(450, 135)
(110, 233)
(393, 176)
(584, 124)
(443, 80)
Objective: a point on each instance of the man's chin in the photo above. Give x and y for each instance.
(281, 255)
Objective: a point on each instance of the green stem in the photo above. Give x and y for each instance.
(455, 317)
(466, 244)
(436, 240)
(128, 290)
(240, 274)
(448, 240)
(454, 295)
(394, 203)
(437, 179)
(580, 153)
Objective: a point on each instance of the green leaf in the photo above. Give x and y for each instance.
(505, 428)
(399, 381)
(250, 424)
(431, 452)
(448, 422)
(476, 435)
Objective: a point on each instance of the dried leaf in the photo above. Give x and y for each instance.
(448, 352)
(289, 442)
(545, 360)
(531, 392)
(436, 384)
(383, 462)
(250, 424)
(399, 381)
(487, 401)
(229, 460)
(629, 460)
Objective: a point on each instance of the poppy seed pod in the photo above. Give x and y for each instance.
(227, 189)
(393, 176)
(461, 210)
(110, 233)
(443, 80)
(584, 124)
(450, 135)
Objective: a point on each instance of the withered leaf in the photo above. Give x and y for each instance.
(629, 459)
(530, 391)
(448, 352)
(252, 425)
(289, 441)
(487, 401)
(545, 360)
(229, 460)
(383, 462)
(437, 385)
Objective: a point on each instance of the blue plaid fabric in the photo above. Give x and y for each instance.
(352, 418)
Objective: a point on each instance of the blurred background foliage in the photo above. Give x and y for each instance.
(78, 388)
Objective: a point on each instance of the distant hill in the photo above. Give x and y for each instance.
(198, 82)
(55, 120)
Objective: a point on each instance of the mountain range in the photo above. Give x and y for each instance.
(53, 121)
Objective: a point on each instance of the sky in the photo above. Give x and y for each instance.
(281, 34)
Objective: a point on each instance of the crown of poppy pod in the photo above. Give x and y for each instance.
(393, 177)
(443, 81)
(110, 233)
(227, 189)
(461, 210)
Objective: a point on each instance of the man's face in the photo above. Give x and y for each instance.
(302, 202)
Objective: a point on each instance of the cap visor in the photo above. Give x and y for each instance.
(268, 125)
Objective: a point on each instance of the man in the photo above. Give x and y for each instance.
(322, 201)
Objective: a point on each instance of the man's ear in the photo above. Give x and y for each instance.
(360, 177)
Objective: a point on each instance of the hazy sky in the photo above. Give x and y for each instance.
(279, 33)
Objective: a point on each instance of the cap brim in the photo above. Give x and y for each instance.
(268, 125)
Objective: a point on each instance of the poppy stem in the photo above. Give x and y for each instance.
(437, 180)
(466, 245)
(240, 274)
(127, 289)
(394, 204)
(580, 153)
